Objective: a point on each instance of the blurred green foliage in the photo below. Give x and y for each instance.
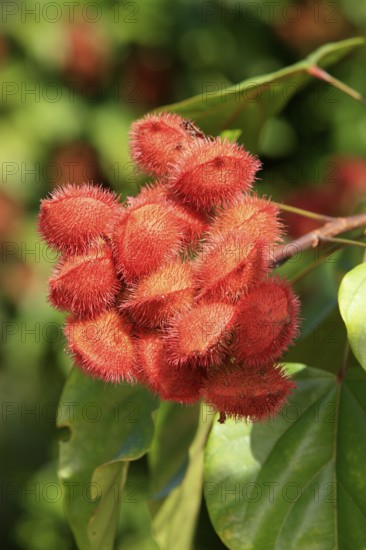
(73, 76)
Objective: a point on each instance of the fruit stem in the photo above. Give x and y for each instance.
(302, 212)
(320, 74)
(343, 241)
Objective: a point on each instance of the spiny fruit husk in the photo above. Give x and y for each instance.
(229, 265)
(254, 217)
(85, 284)
(103, 346)
(199, 335)
(194, 224)
(76, 215)
(247, 393)
(144, 238)
(212, 173)
(157, 140)
(267, 322)
(182, 384)
(159, 296)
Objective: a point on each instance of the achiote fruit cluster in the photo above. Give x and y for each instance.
(172, 288)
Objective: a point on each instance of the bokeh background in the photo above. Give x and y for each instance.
(74, 75)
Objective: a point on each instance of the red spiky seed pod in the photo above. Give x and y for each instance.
(172, 383)
(193, 223)
(145, 238)
(253, 216)
(157, 141)
(267, 322)
(151, 193)
(75, 215)
(243, 393)
(102, 347)
(85, 284)
(161, 295)
(229, 265)
(200, 335)
(212, 173)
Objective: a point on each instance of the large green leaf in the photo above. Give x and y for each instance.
(108, 483)
(247, 105)
(323, 340)
(135, 529)
(175, 427)
(108, 426)
(324, 346)
(298, 481)
(352, 305)
(175, 517)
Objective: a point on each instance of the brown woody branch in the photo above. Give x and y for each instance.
(317, 237)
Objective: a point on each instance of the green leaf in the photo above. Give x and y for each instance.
(232, 135)
(324, 346)
(297, 481)
(248, 105)
(134, 530)
(175, 427)
(108, 425)
(328, 54)
(352, 305)
(175, 517)
(109, 481)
